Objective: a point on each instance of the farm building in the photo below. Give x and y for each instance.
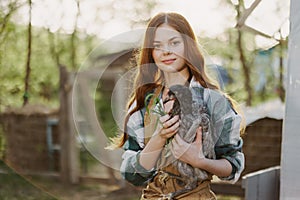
(262, 139)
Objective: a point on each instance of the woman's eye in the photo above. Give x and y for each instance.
(175, 43)
(156, 46)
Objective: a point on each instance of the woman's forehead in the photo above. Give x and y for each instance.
(165, 32)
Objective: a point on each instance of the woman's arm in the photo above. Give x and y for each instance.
(131, 169)
(151, 152)
(138, 160)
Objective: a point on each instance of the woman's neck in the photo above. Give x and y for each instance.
(180, 78)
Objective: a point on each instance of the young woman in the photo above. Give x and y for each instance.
(170, 56)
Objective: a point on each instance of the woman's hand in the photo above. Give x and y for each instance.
(188, 153)
(169, 126)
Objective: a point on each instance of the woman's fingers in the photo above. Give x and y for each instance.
(169, 126)
(164, 118)
(169, 132)
(168, 106)
(168, 122)
(188, 152)
(199, 135)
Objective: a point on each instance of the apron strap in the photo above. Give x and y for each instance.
(151, 119)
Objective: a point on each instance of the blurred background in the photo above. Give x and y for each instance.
(48, 152)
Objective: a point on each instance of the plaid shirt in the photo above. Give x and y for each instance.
(225, 124)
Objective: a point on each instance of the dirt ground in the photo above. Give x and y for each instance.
(14, 186)
(90, 191)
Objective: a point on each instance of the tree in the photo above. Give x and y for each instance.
(6, 11)
(282, 46)
(7, 29)
(30, 55)
(73, 37)
(28, 67)
(245, 66)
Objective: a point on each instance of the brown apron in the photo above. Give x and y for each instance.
(167, 180)
(165, 184)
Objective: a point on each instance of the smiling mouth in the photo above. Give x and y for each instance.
(169, 61)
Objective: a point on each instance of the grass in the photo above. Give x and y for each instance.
(16, 187)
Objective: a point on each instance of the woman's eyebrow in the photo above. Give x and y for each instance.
(172, 38)
(175, 37)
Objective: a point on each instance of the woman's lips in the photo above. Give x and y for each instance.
(169, 61)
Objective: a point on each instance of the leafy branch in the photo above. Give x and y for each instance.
(158, 109)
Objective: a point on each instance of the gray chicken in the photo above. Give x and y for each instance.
(192, 115)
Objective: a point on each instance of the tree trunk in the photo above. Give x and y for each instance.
(246, 70)
(28, 68)
(69, 155)
(53, 50)
(281, 91)
(73, 50)
(73, 38)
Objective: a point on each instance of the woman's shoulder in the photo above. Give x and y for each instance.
(207, 94)
(214, 100)
(197, 85)
(214, 95)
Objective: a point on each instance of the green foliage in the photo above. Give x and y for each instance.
(14, 186)
(44, 79)
(160, 109)
(224, 48)
(87, 161)
(104, 113)
(50, 49)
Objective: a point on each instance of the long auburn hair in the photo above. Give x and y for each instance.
(149, 75)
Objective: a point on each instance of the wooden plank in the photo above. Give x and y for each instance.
(69, 157)
(290, 156)
(73, 146)
(222, 188)
(251, 188)
(63, 126)
(262, 185)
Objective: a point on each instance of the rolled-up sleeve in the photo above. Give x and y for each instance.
(131, 169)
(226, 128)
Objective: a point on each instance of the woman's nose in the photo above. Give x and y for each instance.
(166, 51)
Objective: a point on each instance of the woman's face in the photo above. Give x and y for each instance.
(168, 49)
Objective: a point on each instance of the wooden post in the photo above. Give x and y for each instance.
(262, 184)
(69, 157)
(290, 154)
(90, 115)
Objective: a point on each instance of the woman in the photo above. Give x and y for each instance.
(170, 56)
